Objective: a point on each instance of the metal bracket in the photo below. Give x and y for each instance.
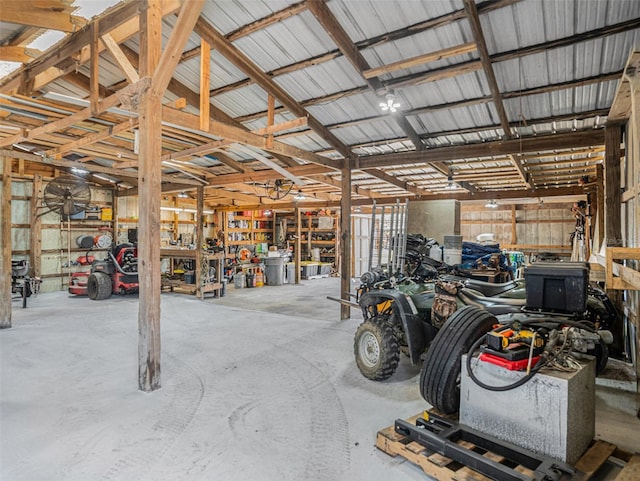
(440, 435)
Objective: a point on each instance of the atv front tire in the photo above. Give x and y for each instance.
(440, 374)
(99, 286)
(376, 349)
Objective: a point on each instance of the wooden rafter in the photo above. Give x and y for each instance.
(478, 34)
(421, 60)
(18, 53)
(488, 149)
(222, 45)
(24, 13)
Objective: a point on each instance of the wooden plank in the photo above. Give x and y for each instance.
(205, 79)
(35, 233)
(105, 104)
(149, 204)
(612, 179)
(94, 85)
(11, 53)
(421, 59)
(588, 138)
(476, 28)
(631, 471)
(5, 244)
(234, 55)
(22, 13)
(121, 59)
(264, 22)
(593, 459)
(189, 13)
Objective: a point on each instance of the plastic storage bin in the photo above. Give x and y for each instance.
(557, 286)
(274, 269)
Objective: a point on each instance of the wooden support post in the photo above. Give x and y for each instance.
(149, 178)
(514, 231)
(599, 210)
(345, 240)
(612, 212)
(199, 239)
(205, 80)
(35, 234)
(5, 245)
(613, 196)
(115, 214)
(94, 85)
(298, 245)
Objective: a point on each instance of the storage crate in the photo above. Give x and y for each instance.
(325, 269)
(309, 269)
(557, 286)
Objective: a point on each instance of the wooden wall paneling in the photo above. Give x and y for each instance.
(5, 243)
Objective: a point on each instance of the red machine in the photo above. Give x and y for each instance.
(118, 274)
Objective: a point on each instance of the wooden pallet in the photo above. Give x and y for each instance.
(445, 469)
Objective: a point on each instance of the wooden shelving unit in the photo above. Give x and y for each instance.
(248, 228)
(317, 232)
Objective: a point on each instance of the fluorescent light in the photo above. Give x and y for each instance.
(492, 204)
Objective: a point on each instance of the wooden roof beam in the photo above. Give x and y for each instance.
(93, 168)
(414, 29)
(420, 60)
(18, 53)
(486, 149)
(267, 174)
(279, 16)
(29, 14)
(330, 23)
(61, 124)
(478, 34)
(241, 61)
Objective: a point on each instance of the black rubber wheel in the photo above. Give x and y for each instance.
(99, 286)
(440, 374)
(376, 348)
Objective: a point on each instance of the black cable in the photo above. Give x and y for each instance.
(507, 387)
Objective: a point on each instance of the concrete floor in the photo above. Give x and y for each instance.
(260, 384)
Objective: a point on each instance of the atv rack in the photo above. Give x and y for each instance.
(467, 455)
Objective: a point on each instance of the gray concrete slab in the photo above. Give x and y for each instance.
(260, 384)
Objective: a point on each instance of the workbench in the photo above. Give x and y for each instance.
(202, 261)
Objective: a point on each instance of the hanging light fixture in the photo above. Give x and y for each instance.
(183, 195)
(390, 103)
(299, 196)
(492, 204)
(451, 185)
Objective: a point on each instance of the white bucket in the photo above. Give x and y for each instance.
(315, 254)
(436, 253)
(452, 257)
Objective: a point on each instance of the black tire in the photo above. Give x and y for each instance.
(440, 374)
(376, 349)
(99, 286)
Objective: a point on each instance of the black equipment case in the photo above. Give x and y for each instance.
(557, 286)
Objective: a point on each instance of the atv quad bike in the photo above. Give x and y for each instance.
(403, 316)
